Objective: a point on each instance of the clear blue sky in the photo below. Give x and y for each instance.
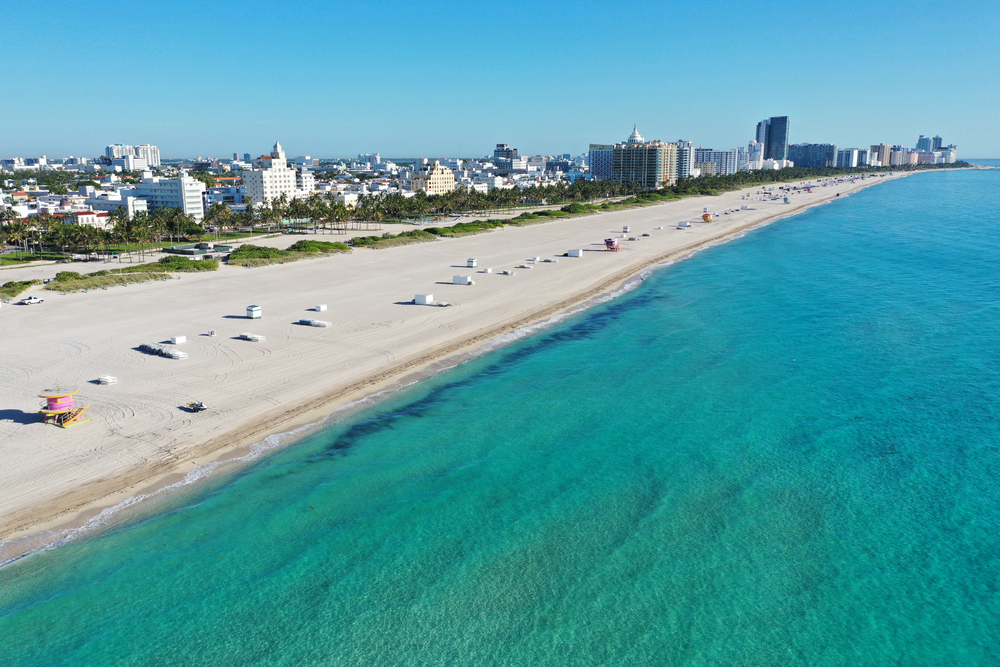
(455, 78)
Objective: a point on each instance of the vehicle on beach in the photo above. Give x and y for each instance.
(197, 406)
(30, 300)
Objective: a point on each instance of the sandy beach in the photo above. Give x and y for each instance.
(140, 436)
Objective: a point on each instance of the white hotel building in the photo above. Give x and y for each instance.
(184, 193)
(273, 179)
(147, 152)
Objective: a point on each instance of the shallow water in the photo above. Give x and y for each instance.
(781, 451)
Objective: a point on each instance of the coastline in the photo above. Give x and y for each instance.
(74, 506)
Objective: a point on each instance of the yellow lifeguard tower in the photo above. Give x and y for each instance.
(60, 409)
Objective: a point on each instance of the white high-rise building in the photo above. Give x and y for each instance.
(685, 158)
(755, 155)
(130, 163)
(150, 153)
(117, 150)
(184, 193)
(725, 161)
(847, 157)
(273, 179)
(305, 181)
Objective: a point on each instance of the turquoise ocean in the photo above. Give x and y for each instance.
(781, 451)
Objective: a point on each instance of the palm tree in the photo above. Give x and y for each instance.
(16, 233)
(124, 230)
(164, 220)
(272, 212)
(297, 210)
(140, 226)
(217, 215)
(56, 235)
(317, 209)
(279, 208)
(224, 217)
(250, 215)
(87, 238)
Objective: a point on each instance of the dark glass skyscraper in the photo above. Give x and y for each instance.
(777, 138)
(773, 134)
(813, 155)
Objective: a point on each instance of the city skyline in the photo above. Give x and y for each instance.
(354, 79)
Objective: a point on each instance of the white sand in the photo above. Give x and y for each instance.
(139, 433)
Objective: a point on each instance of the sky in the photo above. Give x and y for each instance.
(435, 79)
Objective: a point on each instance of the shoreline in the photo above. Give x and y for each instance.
(74, 507)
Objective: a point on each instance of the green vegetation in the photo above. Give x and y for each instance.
(318, 246)
(71, 281)
(104, 281)
(385, 207)
(11, 289)
(176, 263)
(465, 228)
(250, 251)
(21, 258)
(577, 209)
(252, 255)
(390, 241)
(171, 264)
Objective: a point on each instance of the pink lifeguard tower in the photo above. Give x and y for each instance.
(60, 409)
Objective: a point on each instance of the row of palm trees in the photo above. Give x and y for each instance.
(145, 230)
(142, 232)
(398, 207)
(375, 207)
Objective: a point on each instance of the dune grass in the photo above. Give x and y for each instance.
(11, 289)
